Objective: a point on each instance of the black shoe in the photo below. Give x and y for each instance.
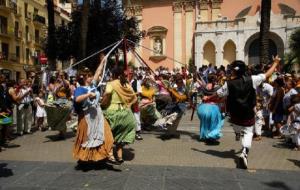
(112, 161)
(138, 137)
(120, 160)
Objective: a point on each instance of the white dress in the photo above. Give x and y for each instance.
(40, 110)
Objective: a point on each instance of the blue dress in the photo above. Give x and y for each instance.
(211, 121)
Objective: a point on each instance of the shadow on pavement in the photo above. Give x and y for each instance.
(222, 154)
(5, 172)
(128, 154)
(283, 144)
(296, 162)
(57, 137)
(278, 185)
(89, 166)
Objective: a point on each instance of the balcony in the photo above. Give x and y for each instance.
(5, 6)
(14, 58)
(39, 20)
(221, 25)
(39, 42)
(18, 34)
(17, 11)
(5, 33)
(3, 56)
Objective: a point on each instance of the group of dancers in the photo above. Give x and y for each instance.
(111, 118)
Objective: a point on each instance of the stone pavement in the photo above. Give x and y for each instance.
(55, 175)
(182, 163)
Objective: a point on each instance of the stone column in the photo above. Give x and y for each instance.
(219, 49)
(203, 10)
(177, 14)
(240, 46)
(189, 12)
(198, 51)
(216, 9)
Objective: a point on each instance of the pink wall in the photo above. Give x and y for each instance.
(159, 15)
(230, 12)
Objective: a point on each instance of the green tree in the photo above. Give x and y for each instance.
(106, 25)
(295, 44)
(264, 31)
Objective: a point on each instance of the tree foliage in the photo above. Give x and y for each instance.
(107, 24)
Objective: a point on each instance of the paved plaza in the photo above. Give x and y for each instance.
(40, 161)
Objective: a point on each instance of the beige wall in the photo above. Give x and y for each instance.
(209, 53)
(229, 53)
(230, 8)
(160, 14)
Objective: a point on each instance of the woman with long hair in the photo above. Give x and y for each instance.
(117, 100)
(94, 139)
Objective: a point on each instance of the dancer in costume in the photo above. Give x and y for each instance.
(58, 111)
(118, 99)
(178, 106)
(211, 120)
(241, 97)
(149, 113)
(94, 140)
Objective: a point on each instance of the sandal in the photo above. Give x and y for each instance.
(112, 160)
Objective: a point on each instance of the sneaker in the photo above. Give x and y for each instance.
(243, 161)
(138, 137)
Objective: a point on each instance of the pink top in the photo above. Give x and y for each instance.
(161, 88)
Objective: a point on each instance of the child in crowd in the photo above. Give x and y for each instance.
(259, 120)
(40, 112)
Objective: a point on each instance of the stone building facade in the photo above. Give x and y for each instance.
(209, 31)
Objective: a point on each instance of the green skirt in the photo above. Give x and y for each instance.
(123, 124)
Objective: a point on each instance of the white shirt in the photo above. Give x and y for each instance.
(287, 98)
(256, 80)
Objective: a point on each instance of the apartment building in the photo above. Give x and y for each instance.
(23, 30)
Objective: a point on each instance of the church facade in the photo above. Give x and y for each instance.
(209, 31)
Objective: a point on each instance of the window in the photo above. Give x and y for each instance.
(37, 36)
(4, 53)
(26, 10)
(3, 25)
(27, 33)
(17, 51)
(35, 11)
(17, 29)
(27, 55)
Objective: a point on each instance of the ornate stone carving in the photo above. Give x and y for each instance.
(135, 10)
(216, 4)
(203, 4)
(189, 5)
(177, 7)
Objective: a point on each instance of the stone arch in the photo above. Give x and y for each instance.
(252, 47)
(209, 53)
(229, 52)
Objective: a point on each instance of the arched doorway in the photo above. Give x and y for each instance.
(209, 53)
(276, 47)
(229, 52)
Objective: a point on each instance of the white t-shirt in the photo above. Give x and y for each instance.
(256, 80)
